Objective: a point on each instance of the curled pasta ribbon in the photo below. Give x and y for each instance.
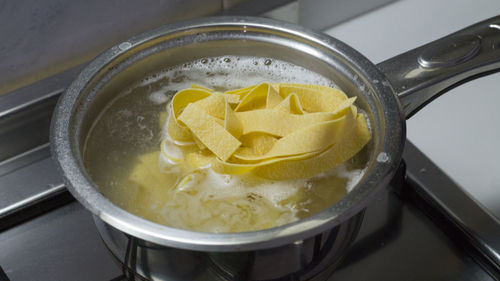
(277, 131)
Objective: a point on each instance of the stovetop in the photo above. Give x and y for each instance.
(422, 227)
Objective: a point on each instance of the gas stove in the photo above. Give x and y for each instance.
(422, 227)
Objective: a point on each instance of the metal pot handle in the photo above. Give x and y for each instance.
(422, 74)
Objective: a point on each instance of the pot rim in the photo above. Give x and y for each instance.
(382, 168)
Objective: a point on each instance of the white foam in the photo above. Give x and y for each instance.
(352, 176)
(159, 97)
(230, 72)
(211, 185)
(171, 149)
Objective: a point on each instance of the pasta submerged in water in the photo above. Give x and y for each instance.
(247, 159)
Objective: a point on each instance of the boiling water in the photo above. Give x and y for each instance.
(130, 127)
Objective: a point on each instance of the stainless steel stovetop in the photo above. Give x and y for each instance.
(423, 227)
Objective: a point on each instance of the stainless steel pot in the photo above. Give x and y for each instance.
(307, 249)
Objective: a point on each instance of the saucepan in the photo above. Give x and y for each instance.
(309, 248)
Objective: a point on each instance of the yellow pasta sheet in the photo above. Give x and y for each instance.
(277, 131)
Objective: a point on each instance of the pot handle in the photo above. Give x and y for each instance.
(422, 74)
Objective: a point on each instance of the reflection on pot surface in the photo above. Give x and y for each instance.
(310, 259)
